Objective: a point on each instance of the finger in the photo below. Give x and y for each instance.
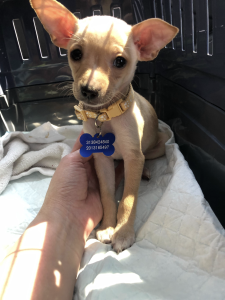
(77, 144)
(76, 157)
(119, 173)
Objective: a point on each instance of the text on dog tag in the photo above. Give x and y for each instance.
(97, 144)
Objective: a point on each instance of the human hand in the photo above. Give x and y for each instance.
(51, 248)
(73, 194)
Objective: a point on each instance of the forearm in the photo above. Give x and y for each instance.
(43, 264)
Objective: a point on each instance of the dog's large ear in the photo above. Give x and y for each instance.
(150, 36)
(56, 19)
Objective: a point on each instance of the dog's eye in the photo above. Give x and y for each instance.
(76, 54)
(119, 62)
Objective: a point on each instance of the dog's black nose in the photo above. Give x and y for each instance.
(89, 93)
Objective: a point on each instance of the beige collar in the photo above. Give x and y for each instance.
(106, 114)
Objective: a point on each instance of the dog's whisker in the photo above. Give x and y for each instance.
(69, 84)
(63, 83)
(136, 82)
(66, 90)
(136, 76)
(76, 38)
(62, 68)
(120, 93)
(66, 93)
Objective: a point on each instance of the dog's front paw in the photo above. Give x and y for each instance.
(123, 238)
(105, 235)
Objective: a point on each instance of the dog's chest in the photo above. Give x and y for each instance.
(89, 127)
(120, 127)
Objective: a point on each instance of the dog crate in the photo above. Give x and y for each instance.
(185, 84)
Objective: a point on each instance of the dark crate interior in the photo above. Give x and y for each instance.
(185, 84)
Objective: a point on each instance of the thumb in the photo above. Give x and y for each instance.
(77, 144)
(76, 157)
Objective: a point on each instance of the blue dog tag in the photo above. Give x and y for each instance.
(97, 144)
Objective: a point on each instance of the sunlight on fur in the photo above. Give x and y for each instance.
(139, 119)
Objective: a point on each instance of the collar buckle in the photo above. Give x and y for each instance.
(113, 110)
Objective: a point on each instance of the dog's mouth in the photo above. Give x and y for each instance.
(97, 103)
(95, 100)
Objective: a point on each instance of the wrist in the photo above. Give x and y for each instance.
(61, 232)
(49, 254)
(74, 219)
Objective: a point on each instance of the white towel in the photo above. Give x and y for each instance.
(39, 150)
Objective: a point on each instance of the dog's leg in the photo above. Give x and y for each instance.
(106, 175)
(146, 175)
(159, 149)
(124, 235)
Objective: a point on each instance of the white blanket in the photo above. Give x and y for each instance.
(40, 150)
(180, 247)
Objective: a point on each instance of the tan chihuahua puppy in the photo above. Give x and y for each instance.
(103, 52)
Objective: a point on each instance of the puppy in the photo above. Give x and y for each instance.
(103, 53)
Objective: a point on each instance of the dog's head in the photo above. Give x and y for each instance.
(102, 51)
